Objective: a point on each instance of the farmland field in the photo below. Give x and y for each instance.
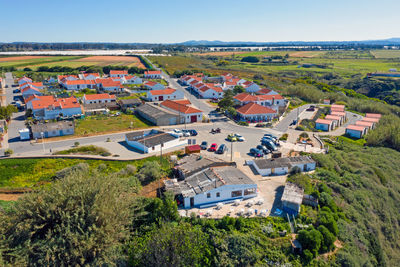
(69, 61)
(386, 53)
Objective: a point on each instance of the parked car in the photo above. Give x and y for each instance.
(222, 148)
(294, 122)
(239, 137)
(204, 145)
(256, 152)
(213, 147)
(178, 132)
(192, 132)
(232, 138)
(264, 149)
(310, 109)
(269, 144)
(186, 133)
(16, 91)
(271, 135)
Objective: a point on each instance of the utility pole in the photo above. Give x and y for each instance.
(231, 151)
(42, 134)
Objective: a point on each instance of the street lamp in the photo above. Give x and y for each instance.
(42, 134)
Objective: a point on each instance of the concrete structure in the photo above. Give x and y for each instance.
(157, 115)
(186, 113)
(256, 112)
(152, 74)
(192, 164)
(212, 186)
(356, 131)
(98, 98)
(164, 94)
(153, 140)
(324, 125)
(52, 129)
(24, 134)
(281, 166)
(292, 198)
(129, 103)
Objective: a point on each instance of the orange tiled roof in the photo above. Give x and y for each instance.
(179, 107)
(99, 96)
(167, 91)
(254, 108)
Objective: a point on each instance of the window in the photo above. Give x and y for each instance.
(250, 191)
(162, 145)
(208, 195)
(218, 194)
(237, 193)
(152, 148)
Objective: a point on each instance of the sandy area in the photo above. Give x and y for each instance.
(113, 60)
(307, 54)
(221, 53)
(10, 197)
(6, 59)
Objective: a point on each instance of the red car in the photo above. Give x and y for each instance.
(213, 147)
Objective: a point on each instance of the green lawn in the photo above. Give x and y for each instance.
(20, 173)
(38, 61)
(104, 124)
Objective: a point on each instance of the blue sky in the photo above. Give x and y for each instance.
(169, 21)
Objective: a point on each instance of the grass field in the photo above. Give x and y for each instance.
(106, 124)
(20, 173)
(386, 53)
(69, 61)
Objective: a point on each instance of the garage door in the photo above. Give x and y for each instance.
(193, 118)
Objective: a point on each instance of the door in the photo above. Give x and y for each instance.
(193, 118)
(192, 202)
(161, 98)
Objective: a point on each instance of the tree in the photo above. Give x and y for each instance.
(327, 219)
(151, 171)
(76, 143)
(79, 220)
(8, 152)
(311, 240)
(238, 89)
(250, 59)
(327, 240)
(227, 100)
(7, 111)
(27, 69)
(171, 245)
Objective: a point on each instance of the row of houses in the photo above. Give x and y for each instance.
(336, 118)
(360, 128)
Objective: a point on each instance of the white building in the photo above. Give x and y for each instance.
(52, 129)
(29, 91)
(250, 87)
(89, 76)
(186, 113)
(255, 112)
(153, 141)
(98, 98)
(118, 73)
(282, 166)
(152, 74)
(164, 94)
(324, 125)
(78, 84)
(130, 79)
(212, 186)
(356, 131)
(153, 85)
(23, 80)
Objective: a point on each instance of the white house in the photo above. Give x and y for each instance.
(130, 79)
(210, 92)
(164, 94)
(152, 74)
(369, 124)
(338, 120)
(153, 141)
(255, 112)
(51, 129)
(89, 76)
(109, 85)
(281, 166)
(38, 85)
(78, 84)
(60, 78)
(273, 101)
(52, 108)
(98, 98)
(29, 91)
(324, 125)
(153, 85)
(186, 113)
(211, 186)
(23, 80)
(250, 87)
(118, 73)
(356, 131)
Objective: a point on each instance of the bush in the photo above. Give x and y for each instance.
(243, 123)
(76, 144)
(284, 137)
(295, 170)
(150, 171)
(250, 59)
(8, 152)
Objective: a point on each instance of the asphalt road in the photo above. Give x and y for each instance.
(283, 125)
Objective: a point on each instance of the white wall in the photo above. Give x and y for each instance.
(353, 133)
(211, 94)
(174, 96)
(253, 88)
(225, 195)
(157, 148)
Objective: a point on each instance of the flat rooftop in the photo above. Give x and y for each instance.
(292, 194)
(150, 138)
(282, 162)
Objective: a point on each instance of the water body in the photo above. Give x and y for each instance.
(143, 52)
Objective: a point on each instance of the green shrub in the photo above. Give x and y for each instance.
(243, 123)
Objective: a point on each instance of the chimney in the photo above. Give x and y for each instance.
(273, 100)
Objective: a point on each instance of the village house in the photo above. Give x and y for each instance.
(265, 91)
(209, 91)
(373, 115)
(164, 94)
(119, 79)
(356, 131)
(292, 198)
(23, 80)
(98, 98)
(272, 101)
(211, 186)
(60, 78)
(282, 166)
(29, 91)
(48, 108)
(153, 140)
(118, 73)
(343, 115)
(186, 113)
(78, 84)
(131, 79)
(152, 74)
(109, 85)
(89, 76)
(158, 115)
(38, 85)
(250, 87)
(255, 112)
(369, 124)
(186, 79)
(52, 129)
(324, 125)
(338, 120)
(129, 104)
(153, 85)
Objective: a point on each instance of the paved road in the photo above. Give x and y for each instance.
(283, 125)
(9, 81)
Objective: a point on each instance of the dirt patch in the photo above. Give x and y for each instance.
(307, 54)
(220, 53)
(150, 190)
(113, 60)
(6, 59)
(10, 197)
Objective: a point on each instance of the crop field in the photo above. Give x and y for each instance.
(177, 63)
(386, 53)
(34, 62)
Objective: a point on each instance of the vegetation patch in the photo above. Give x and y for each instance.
(85, 150)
